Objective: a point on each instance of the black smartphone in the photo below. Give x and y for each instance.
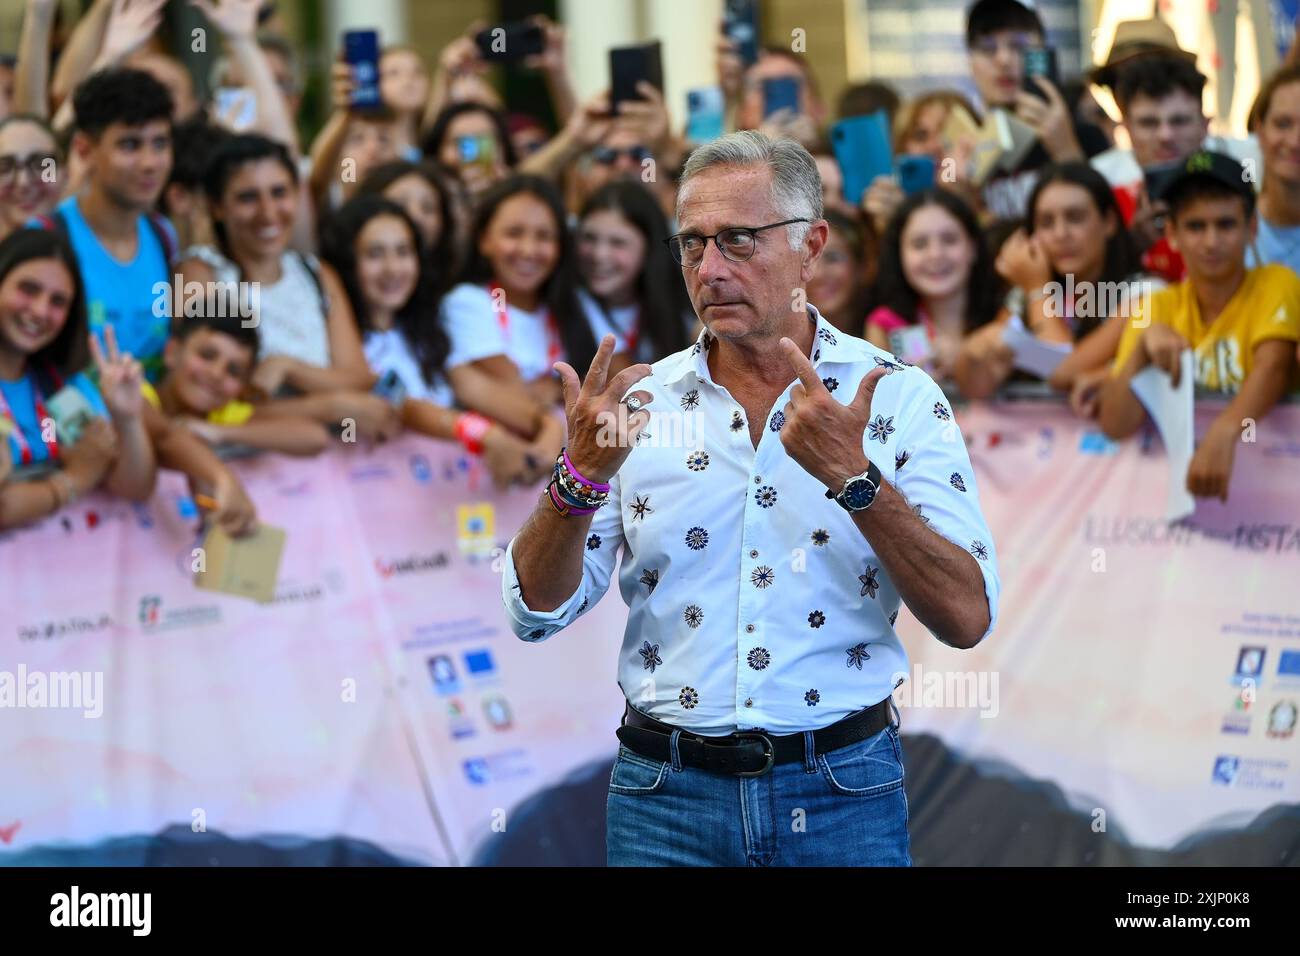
(509, 42)
(740, 24)
(361, 51)
(631, 65)
(1040, 61)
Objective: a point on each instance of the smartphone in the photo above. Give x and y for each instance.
(236, 107)
(740, 24)
(1040, 61)
(361, 52)
(915, 173)
(510, 42)
(475, 149)
(862, 148)
(390, 388)
(630, 65)
(704, 114)
(780, 93)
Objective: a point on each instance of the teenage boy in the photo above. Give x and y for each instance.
(208, 360)
(123, 137)
(1243, 324)
(998, 34)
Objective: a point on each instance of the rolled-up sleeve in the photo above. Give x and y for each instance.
(599, 557)
(937, 478)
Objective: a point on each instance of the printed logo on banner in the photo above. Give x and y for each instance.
(443, 672)
(480, 663)
(1237, 720)
(412, 564)
(421, 470)
(49, 630)
(1288, 666)
(458, 720)
(1282, 720)
(496, 768)
(497, 712)
(1096, 443)
(1250, 662)
(153, 617)
(1248, 773)
(476, 529)
(1225, 770)
(370, 471)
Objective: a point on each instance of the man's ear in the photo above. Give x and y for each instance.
(814, 245)
(81, 144)
(171, 353)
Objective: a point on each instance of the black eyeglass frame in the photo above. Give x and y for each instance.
(753, 231)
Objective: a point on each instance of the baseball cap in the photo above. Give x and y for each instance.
(1206, 164)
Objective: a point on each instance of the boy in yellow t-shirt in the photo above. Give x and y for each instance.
(208, 360)
(1242, 324)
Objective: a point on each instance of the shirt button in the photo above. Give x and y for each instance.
(749, 628)
(758, 479)
(749, 702)
(753, 554)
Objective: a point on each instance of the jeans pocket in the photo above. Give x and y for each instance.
(634, 775)
(868, 768)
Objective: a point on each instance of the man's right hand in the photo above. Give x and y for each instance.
(602, 430)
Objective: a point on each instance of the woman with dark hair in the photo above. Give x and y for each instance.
(630, 284)
(472, 141)
(515, 311)
(309, 339)
(429, 196)
(839, 288)
(935, 283)
(99, 435)
(1071, 262)
(375, 246)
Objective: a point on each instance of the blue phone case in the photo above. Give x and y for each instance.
(862, 148)
(361, 51)
(915, 173)
(780, 93)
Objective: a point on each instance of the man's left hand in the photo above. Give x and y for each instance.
(822, 435)
(1211, 466)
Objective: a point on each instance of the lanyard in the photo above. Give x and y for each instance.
(25, 449)
(554, 351)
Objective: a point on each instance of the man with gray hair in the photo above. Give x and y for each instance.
(821, 484)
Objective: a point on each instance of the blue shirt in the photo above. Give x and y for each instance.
(125, 295)
(1280, 244)
(754, 601)
(20, 398)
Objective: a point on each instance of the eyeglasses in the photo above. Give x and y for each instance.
(35, 164)
(608, 155)
(1017, 43)
(737, 243)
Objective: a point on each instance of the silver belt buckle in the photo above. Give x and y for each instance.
(769, 752)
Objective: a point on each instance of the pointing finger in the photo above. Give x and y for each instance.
(803, 368)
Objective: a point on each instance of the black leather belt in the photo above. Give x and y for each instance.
(745, 753)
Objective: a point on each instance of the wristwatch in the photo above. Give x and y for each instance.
(859, 491)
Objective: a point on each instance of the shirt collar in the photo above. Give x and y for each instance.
(828, 346)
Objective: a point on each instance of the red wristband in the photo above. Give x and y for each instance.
(471, 428)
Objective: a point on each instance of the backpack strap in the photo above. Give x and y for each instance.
(315, 279)
(163, 234)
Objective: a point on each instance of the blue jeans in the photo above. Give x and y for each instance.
(842, 808)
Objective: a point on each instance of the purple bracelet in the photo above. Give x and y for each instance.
(565, 509)
(577, 476)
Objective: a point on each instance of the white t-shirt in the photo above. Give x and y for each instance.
(389, 351)
(622, 322)
(529, 339)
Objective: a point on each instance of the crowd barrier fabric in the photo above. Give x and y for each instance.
(1144, 679)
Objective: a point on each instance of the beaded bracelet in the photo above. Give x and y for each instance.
(564, 508)
(575, 497)
(577, 475)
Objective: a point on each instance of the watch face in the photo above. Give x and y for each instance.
(858, 494)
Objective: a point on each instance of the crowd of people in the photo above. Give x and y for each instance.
(424, 263)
